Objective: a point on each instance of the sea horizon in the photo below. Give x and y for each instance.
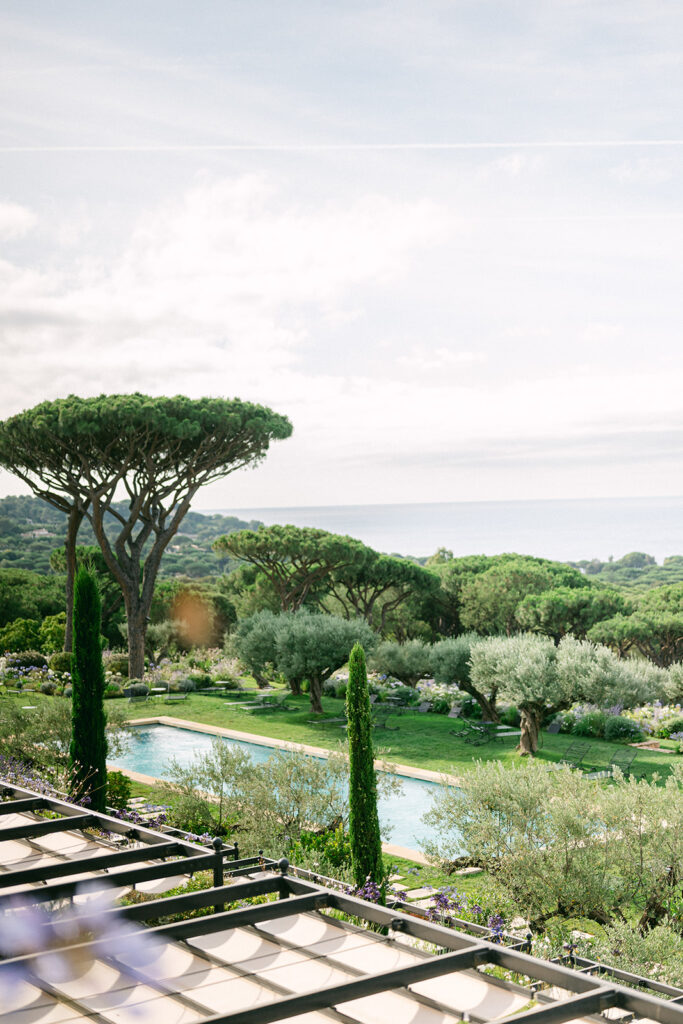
(566, 529)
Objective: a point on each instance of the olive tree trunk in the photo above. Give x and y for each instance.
(316, 695)
(530, 723)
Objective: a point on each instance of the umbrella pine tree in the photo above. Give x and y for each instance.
(366, 843)
(88, 750)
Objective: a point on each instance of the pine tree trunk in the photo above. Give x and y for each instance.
(75, 519)
(364, 833)
(88, 749)
(136, 647)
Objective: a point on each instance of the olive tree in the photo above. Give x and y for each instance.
(78, 453)
(410, 662)
(450, 664)
(522, 669)
(311, 646)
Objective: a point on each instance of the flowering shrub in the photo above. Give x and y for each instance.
(446, 694)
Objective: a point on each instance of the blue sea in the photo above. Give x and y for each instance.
(559, 529)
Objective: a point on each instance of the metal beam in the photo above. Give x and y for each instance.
(34, 829)
(359, 988)
(63, 890)
(23, 876)
(106, 821)
(237, 918)
(570, 1009)
(34, 803)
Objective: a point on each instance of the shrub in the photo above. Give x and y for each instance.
(332, 847)
(117, 663)
(340, 690)
(49, 688)
(61, 661)
(510, 716)
(187, 685)
(136, 689)
(591, 724)
(20, 635)
(305, 686)
(112, 690)
(198, 679)
(27, 659)
(440, 706)
(619, 728)
(68, 690)
(470, 708)
(405, 693)
(118, 790)
(52, 632)
(669, 726)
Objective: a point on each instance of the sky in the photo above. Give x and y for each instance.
(444, 238)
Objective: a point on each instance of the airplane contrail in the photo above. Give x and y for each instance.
(286, 147)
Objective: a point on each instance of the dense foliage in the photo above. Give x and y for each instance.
(364, 834)
(88, 750)
(563, 844)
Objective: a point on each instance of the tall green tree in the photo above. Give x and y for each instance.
(77, 453)
(569, 610)
(297, 561)
(88, 750)
(375, 585)
(365, 838)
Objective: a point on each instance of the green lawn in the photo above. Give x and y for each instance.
(421, 740)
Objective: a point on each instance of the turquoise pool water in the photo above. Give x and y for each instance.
(152, 745)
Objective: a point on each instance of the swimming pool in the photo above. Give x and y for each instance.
(152, 745)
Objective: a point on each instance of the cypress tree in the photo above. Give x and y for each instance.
(366, 843)
(88, 749)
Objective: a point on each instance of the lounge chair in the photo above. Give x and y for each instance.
(455, 711)
(424, 707)
(623, 760)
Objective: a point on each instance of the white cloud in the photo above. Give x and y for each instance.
(15, 221)
(423, 360)
(216, 290)
(642, 171)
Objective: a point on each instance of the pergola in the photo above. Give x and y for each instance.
(287, 947)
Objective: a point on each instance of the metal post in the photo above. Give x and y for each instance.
(217, 844)
(283, 865)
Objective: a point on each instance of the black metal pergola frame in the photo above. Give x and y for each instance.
(589, 995)
(176, 855)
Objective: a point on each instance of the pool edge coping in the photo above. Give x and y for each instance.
(409, 771)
